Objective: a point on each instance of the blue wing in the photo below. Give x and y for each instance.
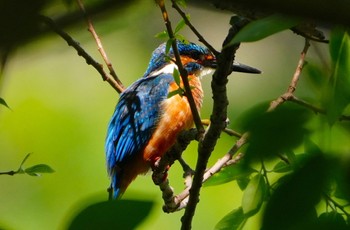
(134, 119)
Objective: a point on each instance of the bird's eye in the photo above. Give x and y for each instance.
(196, 55)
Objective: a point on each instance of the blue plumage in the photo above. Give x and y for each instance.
(133, 121)
(139, 111)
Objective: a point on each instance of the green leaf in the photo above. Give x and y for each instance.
(176, 75)
(162, 35)
(296, 163)
(36, 170)
(178, 91)
(311, 147)
(282, 167)
(275, 132)
(243, 183)
(317, 78)
(264, 27)
(338, 93)
(3, 102)
(230, 173)
(168, 45)
(181, 3)
(120, 214)
(332, 220)
(232, 221)
(181, 38)
(181, 24)
(254, 195)
(292, 204)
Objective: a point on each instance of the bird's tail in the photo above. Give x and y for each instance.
(116, 185)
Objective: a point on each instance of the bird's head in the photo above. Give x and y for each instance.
(193, 58)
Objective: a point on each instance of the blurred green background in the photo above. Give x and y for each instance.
(60, 109)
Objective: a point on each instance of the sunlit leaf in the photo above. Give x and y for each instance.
(338, 93)
(234, 220)
(3, 102)
(230, 173)
(36, 170)
(168, 45)
(120, 214)
(178, 91)
(162, 35)
(264, 27)
(181, 38)
(254, 195)
(176, 75)
(181, 24)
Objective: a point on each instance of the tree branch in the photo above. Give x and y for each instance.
(219, 114)
(314, 108)
(194, 30)
(171, 203)
(331, 12)
(288, 95)
(81, 52)
(100, 46)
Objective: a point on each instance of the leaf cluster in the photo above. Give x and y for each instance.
(306, 179)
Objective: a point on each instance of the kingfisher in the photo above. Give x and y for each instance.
(147, 120)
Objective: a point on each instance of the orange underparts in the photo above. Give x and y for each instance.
(176, 117)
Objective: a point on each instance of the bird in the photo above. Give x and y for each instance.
(147, 120)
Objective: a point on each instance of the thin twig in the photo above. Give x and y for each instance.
(81, 52)
(288, 95)
(10, 173)
(337, 205)
(183, 72)
(194, 30)
(228, 131)
(100, 46)
(315, 108)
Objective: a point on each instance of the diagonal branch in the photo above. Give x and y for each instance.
(81, 52)
(194, 30)
(288, 95)
(100, 46)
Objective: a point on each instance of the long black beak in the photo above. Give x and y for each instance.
(238, 67)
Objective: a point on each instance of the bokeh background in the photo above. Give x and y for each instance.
(60, 108)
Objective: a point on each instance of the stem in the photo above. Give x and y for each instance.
(218, 123)
(100, 46)
(183, 72)
(81, 52)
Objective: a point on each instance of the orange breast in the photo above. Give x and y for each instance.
(177, 116)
